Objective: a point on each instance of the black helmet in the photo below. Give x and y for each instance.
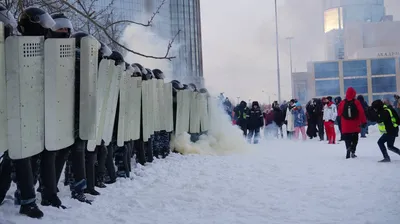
(10, 24)
(34, 22)
(62, 22)
(176, 85)
(104, 50)
(158, 74)
(117, 57)
(137, 72)
(192, 87)
(145, 74)
(150, 73)
(185, 86)
(203, 90)
(377, 105)
(78, 37)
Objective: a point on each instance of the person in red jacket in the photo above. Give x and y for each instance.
(352, 118)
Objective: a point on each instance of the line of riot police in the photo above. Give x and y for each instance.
(68, 100)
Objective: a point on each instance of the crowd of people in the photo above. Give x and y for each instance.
(318, 119)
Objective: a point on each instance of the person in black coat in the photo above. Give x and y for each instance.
(241, 116)
(311, 119)
(388, 122)
(364, 105)
(255, 122)
(278, 118)
(338, 121)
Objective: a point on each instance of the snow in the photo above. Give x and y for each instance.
(278, 181)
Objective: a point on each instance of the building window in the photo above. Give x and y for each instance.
(384, 84)
(360, 85)
(333, 19)
(354, 68)
(384, 66)
(383, 97)
(327, 87)
(326, 70)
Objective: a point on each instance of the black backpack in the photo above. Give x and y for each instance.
(350, 111)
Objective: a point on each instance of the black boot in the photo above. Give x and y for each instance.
(31, 210)
(385, 160)
(353, 155)
(80, 196)
(91, 192)
(52, 201)
(100, 182)
(347, 154)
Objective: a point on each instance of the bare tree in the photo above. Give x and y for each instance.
(102, 24)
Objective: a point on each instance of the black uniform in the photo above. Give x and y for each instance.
(242, 115)
(255, 122)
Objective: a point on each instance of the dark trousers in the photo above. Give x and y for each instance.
(48, 174)
(100, 167)
(320, 124)
(75, 171)
(253, 133)
(389, 140)
(351, 141)
(244, 129)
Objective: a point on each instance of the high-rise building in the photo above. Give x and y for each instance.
(339, 13)
(185, 17)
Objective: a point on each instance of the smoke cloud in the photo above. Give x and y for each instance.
(239, 47)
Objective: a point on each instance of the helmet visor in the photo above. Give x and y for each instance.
(62, 23)
(7, 18)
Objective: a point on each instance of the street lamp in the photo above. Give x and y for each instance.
(290, 55)
(277, 53)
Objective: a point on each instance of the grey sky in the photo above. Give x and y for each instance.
(239, 43)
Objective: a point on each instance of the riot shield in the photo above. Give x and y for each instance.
(59, 93)
(146, 119)
(135, 106)
(3, 94)
(183, 110)
(159, 109)
(168, 116)
(112, 101)
(122, 118)
(128, 112)
(25, 95)
(194, 113)
(88, 85)
(152, 102)
(203, 110)
(103, 88)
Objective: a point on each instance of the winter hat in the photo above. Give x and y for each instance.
(329, 98)
(298, 104)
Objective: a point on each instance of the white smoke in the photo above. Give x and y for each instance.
(222, 139)
(143, 40)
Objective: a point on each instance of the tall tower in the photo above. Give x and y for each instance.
(185, 16)
(338, 13)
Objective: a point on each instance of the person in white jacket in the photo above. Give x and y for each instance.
(289, 119)
(330, 114)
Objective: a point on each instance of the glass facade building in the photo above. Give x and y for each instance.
(338, 13)
(375, 78)
(185, 17)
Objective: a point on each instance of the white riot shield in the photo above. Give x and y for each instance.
(159, 109)
(112, 101)
(168, 105)
(59, 93)
(3, 94)
(128, 113)
(25, 96)
(152, 100)
(88, 85)
(135, 107)
(183, 111)
(122, 119)
(203, 110)
(103, 88)
(194, 113)
(145, 108)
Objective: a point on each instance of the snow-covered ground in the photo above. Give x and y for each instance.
(278, 181)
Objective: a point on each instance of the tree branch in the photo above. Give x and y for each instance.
(104, 30)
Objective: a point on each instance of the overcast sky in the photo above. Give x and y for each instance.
(239, 43)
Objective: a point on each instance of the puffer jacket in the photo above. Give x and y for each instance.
(330, 112)
(352, 126)
(299, 117)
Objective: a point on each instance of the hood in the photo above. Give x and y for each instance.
(361, 99)
(350, 93)
(242, 104)
(255, 103)
(338, 99)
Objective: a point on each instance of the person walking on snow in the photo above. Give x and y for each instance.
(299, 121)
(338, 121)
(289, 119)
(388, 125)
(330, 113)
(364, 105)
(255, 122)
(242, 115)
(352, 117)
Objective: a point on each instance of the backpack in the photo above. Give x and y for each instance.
(350, 111)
